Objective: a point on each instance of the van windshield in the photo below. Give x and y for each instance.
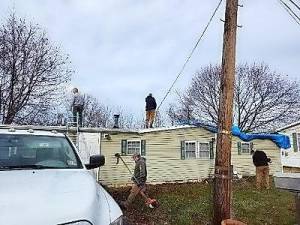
(36, 152)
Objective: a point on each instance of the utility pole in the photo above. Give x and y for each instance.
(223, 173)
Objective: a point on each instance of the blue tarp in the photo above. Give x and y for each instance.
(282, 141)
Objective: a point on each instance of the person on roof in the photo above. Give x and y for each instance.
(77, 106)
(139, 179)
(261, 162)
(150, 110)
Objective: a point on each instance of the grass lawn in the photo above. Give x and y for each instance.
(187, 204)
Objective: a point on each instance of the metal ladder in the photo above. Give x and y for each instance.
(73, 133)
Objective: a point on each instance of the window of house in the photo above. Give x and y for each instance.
(190, 149)
(245, 148)
(133, 147)
(196, 150)
(203, 150)
(298, 142)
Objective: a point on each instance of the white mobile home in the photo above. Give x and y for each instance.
(291, 157)
(174, 154)
(177, 154)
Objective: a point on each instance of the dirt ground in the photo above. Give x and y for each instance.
(138, 213)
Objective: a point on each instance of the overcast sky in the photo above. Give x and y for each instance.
(123, 49)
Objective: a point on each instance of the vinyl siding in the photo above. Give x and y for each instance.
(243, 163)
(289, 132)
(289, 157)
(111, 173)
(163, 154)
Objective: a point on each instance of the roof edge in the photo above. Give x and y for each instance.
(289, 126)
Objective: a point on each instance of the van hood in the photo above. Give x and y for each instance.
(36, 197)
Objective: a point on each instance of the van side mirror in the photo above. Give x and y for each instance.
(95, 162)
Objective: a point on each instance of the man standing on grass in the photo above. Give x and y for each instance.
(139, 179)
(261, 162)
(150, 110)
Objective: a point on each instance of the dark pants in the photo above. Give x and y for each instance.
(77, 110)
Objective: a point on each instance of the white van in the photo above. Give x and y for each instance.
(44, 182)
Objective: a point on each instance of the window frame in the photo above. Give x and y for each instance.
(298, 141)
(196, 149)
(249, 148)
(208, 145)
(134, 140)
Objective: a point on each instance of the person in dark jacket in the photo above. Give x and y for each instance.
(150, 110)
(261, 162)
(139, 179)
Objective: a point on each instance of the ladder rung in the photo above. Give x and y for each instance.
(72, 130)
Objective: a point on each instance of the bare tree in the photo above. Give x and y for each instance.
(129, 120)
(182, 112)
(263, 99)
(159, 120)
(32, 72)
(203, 94)
(96, 114)
(172, 115)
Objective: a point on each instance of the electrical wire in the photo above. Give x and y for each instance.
(295, 4)
(287, 6)
(191, 53)
(290, 11)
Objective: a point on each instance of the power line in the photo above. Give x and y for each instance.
(190, 55)
(287, 6)
(295, 4)
(290, 11)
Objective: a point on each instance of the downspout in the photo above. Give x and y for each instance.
(100, 150)
(281, 158)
